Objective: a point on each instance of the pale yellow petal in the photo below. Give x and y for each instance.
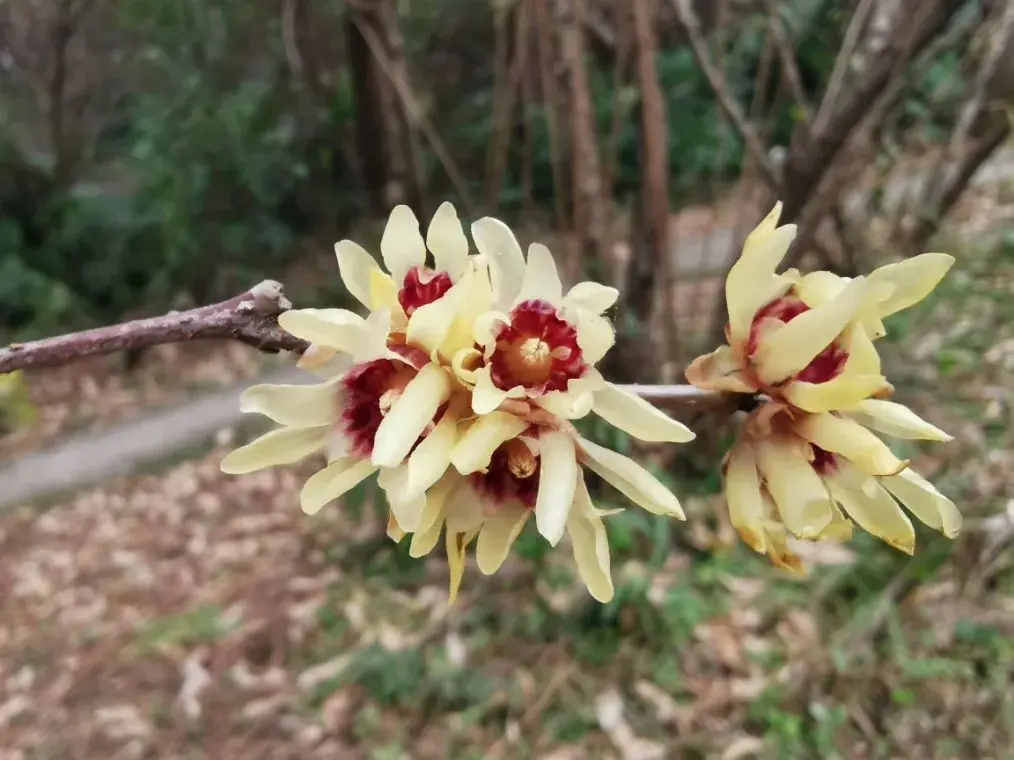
(863, 357)
(394, 531)
(595, 335)
(463, 364)
(788, 349)
(570, 404)
(487, 327)
(817, 288)
(557, 481)
(719, 371)
(590, 545)
(496, 537)
(910, 281)
(447, 242)
(429, 460)
(851, 440)
(896, 420)
(839, 530)
(406, 508)
(425, 540)
(355, 266)
(294, 405)
(464, 509)
(436, 501)
(799, 492)
(475, 447)
(541, 278)
(402, 244)
(630, 479)
(430, 324)
(457, 543)
(875, 511)
(335, 480)
(743, 495)
(473, 298)
(384, 292)
(431, 522)
(842, 392)
(410, 415)
(486, 397)
(330, 369)
(315, 357)
(592, 296)
(923, 500)
(752, 282)
(338, 329)
(637, 417)
(778, 549)
(495, 240)
(282, 446)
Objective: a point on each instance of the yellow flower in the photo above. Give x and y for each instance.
(541, 345)
(411, 289)
(814, 475)
(412, 394)
(501, 477)
(808, 339)
(388, 409)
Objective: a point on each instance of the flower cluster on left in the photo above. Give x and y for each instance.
(459, 389)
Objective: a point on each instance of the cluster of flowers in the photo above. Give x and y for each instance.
(461, 386)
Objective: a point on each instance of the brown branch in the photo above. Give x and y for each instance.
(790, 66)
(415, 112)
(250, 318)
(841, 65)
(810, 154)
(754, 145)
(981, 129)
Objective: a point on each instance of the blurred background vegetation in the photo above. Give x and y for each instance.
(159, 155)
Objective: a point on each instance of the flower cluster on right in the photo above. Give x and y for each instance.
(808, 461)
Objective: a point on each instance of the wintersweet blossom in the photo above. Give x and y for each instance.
(372, 416)
(808, 339)
(807, 462)
(511, 465)
(385, 392)
(541, 345)
(814, 475)
(412, 393)
(530, 371)
(409, 284)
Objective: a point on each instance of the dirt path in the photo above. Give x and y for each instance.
(89, 458)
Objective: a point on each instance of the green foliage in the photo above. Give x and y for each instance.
(16, 408)
(188, 628)
(203, 179)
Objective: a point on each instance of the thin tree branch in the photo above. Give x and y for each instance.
(250, 318)
(416, 114)
(841, 65)
(685, 11)
(790, 66)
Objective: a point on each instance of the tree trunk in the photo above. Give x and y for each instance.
(589, 217)
(654, 205)
(368, 82)
(383, 130)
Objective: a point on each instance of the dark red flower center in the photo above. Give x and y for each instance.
(366, 394)
(513, 475)
(825, 366)
(538, 350)
(422, 286)
(824, 462)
